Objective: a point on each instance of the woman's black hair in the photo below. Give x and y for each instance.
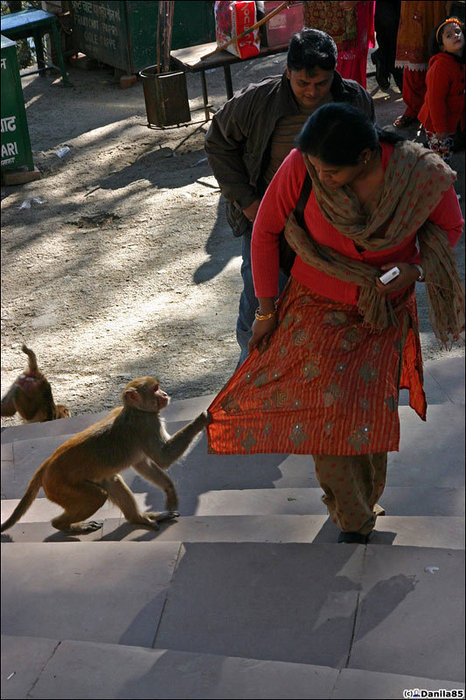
(434, 44)
(337, 133)
(310, 49)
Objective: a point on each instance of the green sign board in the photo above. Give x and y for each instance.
(123, 34)
(16, 145)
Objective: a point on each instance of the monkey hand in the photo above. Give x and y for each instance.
(208, 417)
(204, 419)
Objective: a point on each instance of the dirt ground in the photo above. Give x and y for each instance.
(119, 262)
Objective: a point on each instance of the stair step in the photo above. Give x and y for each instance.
(444, 383)
(68, 669)
(414, 531)
(397, 500)
(431, 454)
(179, 410)
(297, 602)
(377, 608)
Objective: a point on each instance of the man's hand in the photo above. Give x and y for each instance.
(251, 211)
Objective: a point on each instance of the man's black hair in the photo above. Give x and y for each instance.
(310, 49)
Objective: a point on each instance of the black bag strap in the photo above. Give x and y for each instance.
(302, 201)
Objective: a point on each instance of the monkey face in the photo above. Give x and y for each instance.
(145, 394)
(162, 397)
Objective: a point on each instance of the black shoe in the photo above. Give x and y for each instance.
(353, 538)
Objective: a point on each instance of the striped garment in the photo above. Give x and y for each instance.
(325, 383)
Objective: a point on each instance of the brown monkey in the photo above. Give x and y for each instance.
(31, 395)
(83, 472)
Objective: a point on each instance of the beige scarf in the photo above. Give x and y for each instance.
(414, 184)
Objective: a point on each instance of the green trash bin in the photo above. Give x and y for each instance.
(16, 144)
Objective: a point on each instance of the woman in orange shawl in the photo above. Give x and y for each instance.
(326, 365)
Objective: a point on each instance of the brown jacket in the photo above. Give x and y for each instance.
(238, 140)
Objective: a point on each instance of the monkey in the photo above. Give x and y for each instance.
(31, 395)
(83, 472)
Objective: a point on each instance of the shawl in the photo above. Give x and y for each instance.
(352, 30)
(417, 21)
(332, 19)
(414, 184)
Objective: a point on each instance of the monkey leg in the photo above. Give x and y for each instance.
(153, 473)
(8, 402)
(79, 503)
(120, 494)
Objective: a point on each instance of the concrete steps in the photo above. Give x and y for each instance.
(447, 532)
(431, 455)
(320, 604)
(247, 594)
(54, 669)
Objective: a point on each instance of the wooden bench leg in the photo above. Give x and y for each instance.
(61, 63)
(37, 36)
(205, 97)
(228, 83)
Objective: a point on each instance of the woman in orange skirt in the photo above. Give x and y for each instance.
(327, 362)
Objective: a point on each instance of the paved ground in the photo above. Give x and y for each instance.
(247, 594)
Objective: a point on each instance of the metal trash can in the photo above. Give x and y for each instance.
(166, 97)
(16, 145)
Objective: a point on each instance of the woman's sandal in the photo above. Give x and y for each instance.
(353, 538)
(404, 121)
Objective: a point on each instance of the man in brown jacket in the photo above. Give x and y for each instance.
(254, 131)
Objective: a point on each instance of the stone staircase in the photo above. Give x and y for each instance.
(247, 594)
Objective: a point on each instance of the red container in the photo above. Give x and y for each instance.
(280, 29)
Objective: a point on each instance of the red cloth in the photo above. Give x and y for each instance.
(414, 91)
(354, 68)
(281, 197)
(352, 60)
(324, 384)
(443, 106)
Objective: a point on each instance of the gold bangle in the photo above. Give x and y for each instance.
(264, 317)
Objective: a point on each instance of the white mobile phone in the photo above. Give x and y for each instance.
(390, 275)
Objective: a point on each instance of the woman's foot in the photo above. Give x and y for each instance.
(353, 538)
(404, 121)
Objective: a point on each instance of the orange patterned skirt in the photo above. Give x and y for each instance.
(323, 384)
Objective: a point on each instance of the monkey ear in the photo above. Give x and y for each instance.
(132, 396)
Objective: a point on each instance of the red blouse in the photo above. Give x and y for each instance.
(443, 107)
(281, 197)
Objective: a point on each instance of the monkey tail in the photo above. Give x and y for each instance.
(32, 358)
(26, 501)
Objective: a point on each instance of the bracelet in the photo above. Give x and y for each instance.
(264, 317)
(421, 277)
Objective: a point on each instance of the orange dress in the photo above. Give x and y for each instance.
(324, 384)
